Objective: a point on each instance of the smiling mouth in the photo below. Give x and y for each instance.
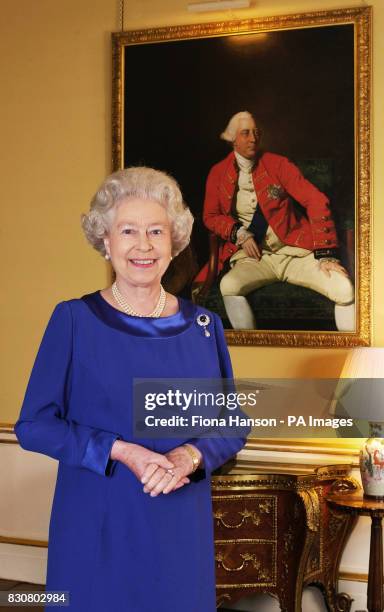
(142, 263)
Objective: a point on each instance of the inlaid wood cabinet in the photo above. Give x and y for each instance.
(275, 533)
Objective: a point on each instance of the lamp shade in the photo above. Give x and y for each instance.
(360, 391)
(364, 362)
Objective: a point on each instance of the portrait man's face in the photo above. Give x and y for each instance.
(247, 138)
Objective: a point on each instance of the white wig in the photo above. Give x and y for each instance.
(231, 130)
(143, 184)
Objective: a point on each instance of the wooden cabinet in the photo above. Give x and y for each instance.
(275, 533)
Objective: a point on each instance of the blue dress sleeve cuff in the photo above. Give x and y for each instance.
(98, 451)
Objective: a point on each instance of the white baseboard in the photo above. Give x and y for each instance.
(356, 590)
(312, 601)
(23, 563)
(28, 564)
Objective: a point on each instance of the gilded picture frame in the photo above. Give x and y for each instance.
(162, 89)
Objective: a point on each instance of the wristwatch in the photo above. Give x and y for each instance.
(194, 456)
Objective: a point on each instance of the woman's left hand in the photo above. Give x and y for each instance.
(158, 481)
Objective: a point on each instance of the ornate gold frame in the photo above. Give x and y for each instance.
(361, 19)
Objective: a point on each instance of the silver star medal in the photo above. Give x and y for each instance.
(275, 192)
(204, 320)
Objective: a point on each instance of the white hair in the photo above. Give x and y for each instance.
(144, 184)
(231, 130)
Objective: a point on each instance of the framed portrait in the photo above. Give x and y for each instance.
(305, 79)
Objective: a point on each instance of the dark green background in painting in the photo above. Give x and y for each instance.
(299, 84)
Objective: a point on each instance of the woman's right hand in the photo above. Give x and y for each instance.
(141, 460)
(137, 458)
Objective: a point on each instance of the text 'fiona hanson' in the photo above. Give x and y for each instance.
(237, 421)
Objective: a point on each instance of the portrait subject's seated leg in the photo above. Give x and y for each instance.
(345, 317)
(239, 312)
(246, 275)
(305, 271)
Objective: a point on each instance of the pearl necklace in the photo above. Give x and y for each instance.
(127, 308)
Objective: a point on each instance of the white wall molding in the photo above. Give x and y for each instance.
(24, 563)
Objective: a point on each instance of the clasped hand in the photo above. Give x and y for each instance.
(158, 473)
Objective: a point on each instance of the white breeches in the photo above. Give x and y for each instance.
(248, 274)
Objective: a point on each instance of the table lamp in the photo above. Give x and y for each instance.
(360, 395)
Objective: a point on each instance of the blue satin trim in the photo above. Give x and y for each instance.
(96, 457)
(163, 327)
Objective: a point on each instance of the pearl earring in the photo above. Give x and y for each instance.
(107, 257)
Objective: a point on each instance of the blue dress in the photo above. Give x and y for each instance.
(113, 547)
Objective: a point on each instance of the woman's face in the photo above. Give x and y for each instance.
(139, 242)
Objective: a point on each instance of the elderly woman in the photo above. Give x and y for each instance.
(131, 525)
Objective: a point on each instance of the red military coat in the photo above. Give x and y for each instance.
(275, 179)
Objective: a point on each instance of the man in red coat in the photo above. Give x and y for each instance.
(266, 238)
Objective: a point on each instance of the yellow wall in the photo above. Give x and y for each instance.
(55, 76)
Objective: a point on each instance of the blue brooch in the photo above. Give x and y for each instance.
(204, 320)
